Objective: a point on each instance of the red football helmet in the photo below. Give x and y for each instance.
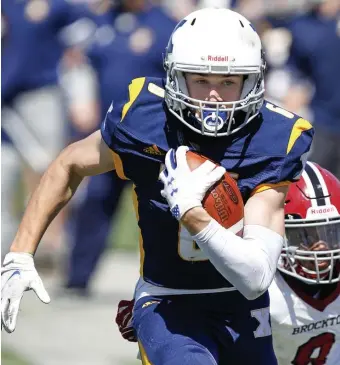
(312, 246)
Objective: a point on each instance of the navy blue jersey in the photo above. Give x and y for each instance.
(31, 46)
(315, 55)
(268, 152)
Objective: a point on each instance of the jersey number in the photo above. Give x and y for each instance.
(315, 351)
(188, 249)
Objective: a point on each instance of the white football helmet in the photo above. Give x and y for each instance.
(214, 41)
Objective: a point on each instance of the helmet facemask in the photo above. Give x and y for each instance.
(312, 250)
(213, 118)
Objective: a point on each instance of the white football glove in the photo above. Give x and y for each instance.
(18, 275)
(185, 189)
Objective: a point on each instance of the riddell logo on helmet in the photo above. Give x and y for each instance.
(328, 210)
(220, 58)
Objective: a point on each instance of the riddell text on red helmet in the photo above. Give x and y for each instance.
(322, 210)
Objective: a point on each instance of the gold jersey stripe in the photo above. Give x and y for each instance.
(141, 244)
(119, 166)
(135, 88)
(143, 355)
(264, 187)
(300, 126)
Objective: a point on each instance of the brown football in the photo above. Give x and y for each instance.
(223, 201)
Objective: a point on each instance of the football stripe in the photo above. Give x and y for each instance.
(322, 183)
(316, 185)
(309, 185)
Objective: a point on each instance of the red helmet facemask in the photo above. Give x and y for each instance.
(312, 246)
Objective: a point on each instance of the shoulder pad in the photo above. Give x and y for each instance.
(286, 139)
(136, 127)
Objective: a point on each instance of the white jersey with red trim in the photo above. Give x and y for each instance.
(305, 331)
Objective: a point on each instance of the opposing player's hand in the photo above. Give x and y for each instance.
(18, 275)
(185, 189)
(124, 320)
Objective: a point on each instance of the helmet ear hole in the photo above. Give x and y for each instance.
(193, 21)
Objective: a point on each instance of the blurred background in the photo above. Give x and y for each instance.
(62, 63)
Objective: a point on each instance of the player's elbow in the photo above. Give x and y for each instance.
(75, 159)
(87, 157)
(63, 170)
(259, 282)
(254, 291)
(68, 157)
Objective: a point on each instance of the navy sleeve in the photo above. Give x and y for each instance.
(281, 171)
(130, 153)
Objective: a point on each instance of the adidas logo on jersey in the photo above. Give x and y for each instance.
(153, 150)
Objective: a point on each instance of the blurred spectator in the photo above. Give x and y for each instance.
(129, 43)
(276, 43)
(314, 62)
(277, 9)
(11, 173)
(33, 114)
(178, 8)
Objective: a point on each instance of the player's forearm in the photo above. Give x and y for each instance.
(195, 220)
(248, 263)
(55, 189)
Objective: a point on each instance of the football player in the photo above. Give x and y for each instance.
(141, 44)
(305, 294)
(203, 296)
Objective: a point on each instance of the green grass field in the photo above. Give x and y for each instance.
(10, 358)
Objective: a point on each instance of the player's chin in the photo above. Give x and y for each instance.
(323, 265)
